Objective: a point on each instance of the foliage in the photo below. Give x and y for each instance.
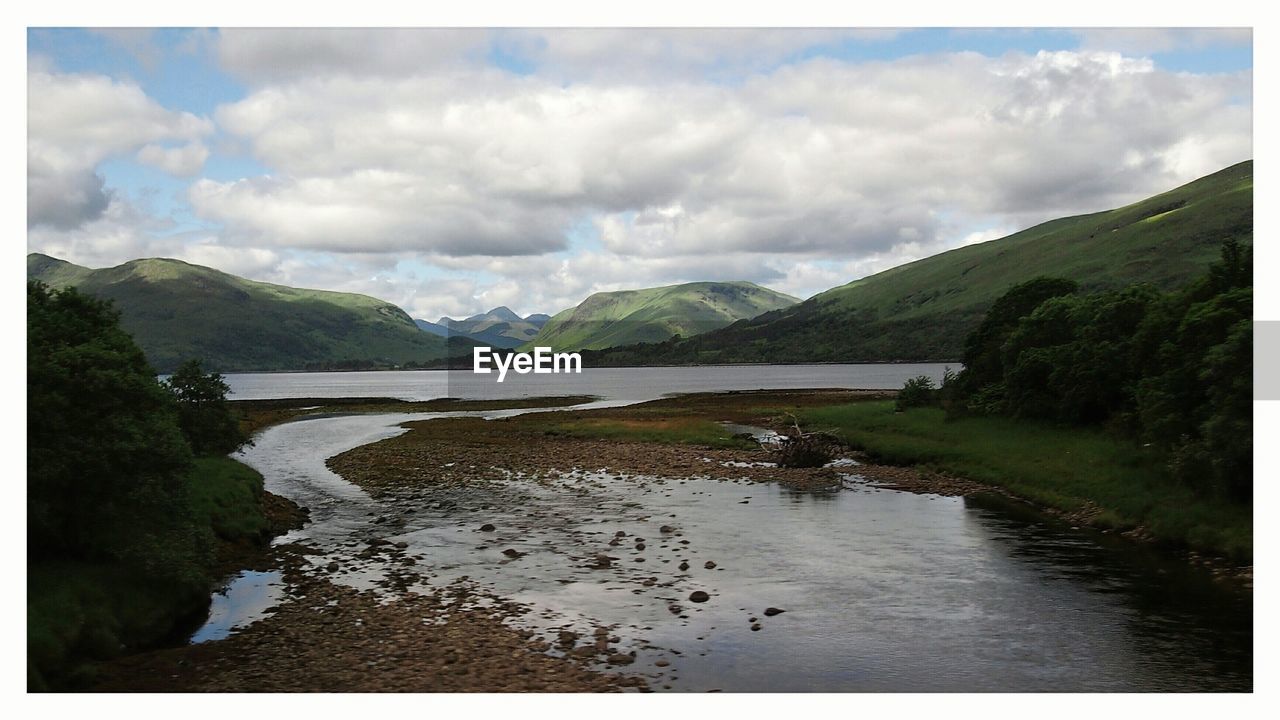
(917, 392)
(1172, 369)
(120, 519)
(208, 423)
(106, 463)
(1117, 482)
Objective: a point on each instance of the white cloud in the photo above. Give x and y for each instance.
(403, 165)
(818, 157)
(74, 122)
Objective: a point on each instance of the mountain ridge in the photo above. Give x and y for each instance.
(177, 310)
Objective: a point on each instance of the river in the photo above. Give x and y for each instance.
(882, 590)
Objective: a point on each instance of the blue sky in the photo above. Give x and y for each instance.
(453, 171)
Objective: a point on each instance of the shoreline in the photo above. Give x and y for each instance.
(257, 657)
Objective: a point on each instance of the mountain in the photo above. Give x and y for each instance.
(176, 311)
(500, 327)
(923, 310)
(655, 314)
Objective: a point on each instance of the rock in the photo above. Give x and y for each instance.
(602, 561)
(684, 566)
(567, 638)
(709, 565)
(675, 609)
(755, 628)
(771, 611)
(620, 659)
(487, 527)
(662, 663)
(640, 546)
(666, 529)
(699, 596)
(512, 553)
(331, 567)
(402, 545)
(619, 534)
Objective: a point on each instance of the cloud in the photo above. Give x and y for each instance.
(1149, 41)
(74, 123)
(260, 55)
(183, 161)
(818, 157)
(450, 171)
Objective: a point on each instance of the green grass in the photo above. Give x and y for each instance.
(1061, 468)
(78, 611)
(654, 314)
(667, 430)
(176, 311)
(225, 494)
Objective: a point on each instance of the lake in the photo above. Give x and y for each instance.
(618, 385)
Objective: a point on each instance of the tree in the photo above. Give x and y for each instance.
(984, 363)
(106, 463)
(203, 414)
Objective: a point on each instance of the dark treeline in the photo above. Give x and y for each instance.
(1170, 369)
(119, 535)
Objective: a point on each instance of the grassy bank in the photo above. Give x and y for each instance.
(79, 611)
(1067, 469)
(671, 430)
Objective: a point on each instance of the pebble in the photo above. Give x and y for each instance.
(699, 596)
(771, 611)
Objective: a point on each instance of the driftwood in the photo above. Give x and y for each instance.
(808, 449)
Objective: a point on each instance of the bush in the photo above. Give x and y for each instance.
(917, 392)
(208, 423)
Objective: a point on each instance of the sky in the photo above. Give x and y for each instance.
(452, 171)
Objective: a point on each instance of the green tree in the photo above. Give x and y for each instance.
(106, 463)
(207, 421)
(984, 359)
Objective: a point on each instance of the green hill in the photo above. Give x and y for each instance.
(923, 310)
(176, 311)
(655, 314)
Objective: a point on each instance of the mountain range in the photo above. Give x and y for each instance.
(924, 310)
(500, 327)
(915, 312)
(176, 311)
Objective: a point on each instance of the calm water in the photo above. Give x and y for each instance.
(615, 384)
(883, 590)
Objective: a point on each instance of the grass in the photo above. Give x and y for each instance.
(226, 495)
(665, 430)
(1056, 467)
(78, 611)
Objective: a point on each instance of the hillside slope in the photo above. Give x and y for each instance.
(655, 314)
(176, 310)
(923, 310)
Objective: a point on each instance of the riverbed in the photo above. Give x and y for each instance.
(880, 590)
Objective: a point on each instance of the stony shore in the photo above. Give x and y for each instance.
(327, 637)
